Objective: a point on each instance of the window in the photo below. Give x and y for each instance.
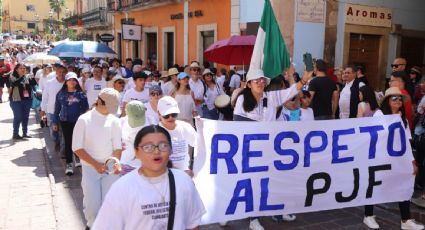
(31, 25)
(30, 7)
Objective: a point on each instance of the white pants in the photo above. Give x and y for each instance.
(95, 186)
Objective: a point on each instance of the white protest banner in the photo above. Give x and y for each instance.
(245, 169)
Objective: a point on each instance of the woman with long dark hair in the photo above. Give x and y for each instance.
(393, 104)
(70, 103)
(368, 105)
(185, 98)
(213, 90)
(21, 99)
(152, 183)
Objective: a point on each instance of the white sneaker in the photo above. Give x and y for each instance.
(289, 217)
(222, 224)
(77, 162)
(69, 169)
(255, 225)
(370, 222)
(411, 225)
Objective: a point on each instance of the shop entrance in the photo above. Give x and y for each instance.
(151, 49)
(364, 51)
(413, 50)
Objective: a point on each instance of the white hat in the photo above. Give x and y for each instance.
(167, 105)
(110, 83)
(147, 72)
(111, 98)
(71, 75)
(206, 71)
(255, 74)
(172, 71)
(194, 65)
(85, 70)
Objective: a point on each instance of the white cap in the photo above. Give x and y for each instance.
(167, 105)
(71, 75)
(148, 73)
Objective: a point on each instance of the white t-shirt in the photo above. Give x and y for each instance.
(211, 94)
(93, 88)
(197, 88)
(168, 88)
(51, 89)
(152, 117)
(39, 73)
(43, 80)
(97, 134)
(186, 106)
(137, 202)
(235, 81)
(128, 135)
(307, 114)
(220, 80)
(182, 136)
(132, 94)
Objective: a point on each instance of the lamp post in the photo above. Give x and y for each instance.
(51, 21)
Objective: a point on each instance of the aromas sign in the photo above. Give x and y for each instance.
(367, 15)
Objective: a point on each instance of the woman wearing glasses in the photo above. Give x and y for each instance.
(182, 133)
(254, 104)
(149, 191)
(393, 104)
(96, 138)
(152, 117)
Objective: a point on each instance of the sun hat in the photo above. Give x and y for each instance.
(71, 75)
(416, 69)
(172, 71)
(135, 111)
(164, 74)
(393, 91)
(167, 105)
(111, 98)
(114, 79)
(254, 74)
(155, 88)
(194, 65)
(85, 70)
(147, 72)
(182, 75)
(206, 71)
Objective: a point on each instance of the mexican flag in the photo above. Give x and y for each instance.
(270, 53)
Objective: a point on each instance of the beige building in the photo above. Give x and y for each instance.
(26, 16)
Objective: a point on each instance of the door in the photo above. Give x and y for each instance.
(169, 50)
(151, 49)
(413, 50)
(364, 51)
(207, 40)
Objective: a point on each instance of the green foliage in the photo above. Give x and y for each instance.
(56, 6)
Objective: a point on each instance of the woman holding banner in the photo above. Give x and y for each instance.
(254, 104)
(393, 104)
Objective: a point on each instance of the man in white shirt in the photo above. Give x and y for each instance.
(349, 97)
(45, 76)
(48, 101)
(235, 79)
(138, 92)
(130, 84)
(221, 78)
(197, 86)
(116, 67)
(94, 85)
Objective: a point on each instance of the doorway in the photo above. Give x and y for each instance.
(151, 49)
(207, 38)
(413, 50)
(169, 50)
(364, 51)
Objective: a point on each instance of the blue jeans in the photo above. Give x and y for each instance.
(57, 136)
(209, 114)
(21, 113)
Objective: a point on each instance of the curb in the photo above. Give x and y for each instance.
(52, 182)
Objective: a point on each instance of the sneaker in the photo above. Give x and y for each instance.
(17, 137)
(370, 222)
(26, 136)
(411, 225)
(69, 169)
(419, 202)
(222, 224)
(255, 225)
(77, 162)
(289, 217)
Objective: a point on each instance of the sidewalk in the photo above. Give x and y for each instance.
(31, 196)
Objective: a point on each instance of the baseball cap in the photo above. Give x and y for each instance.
(167, 105)
(71, 75)
(111, 99)
(182, 75)
(135, 111)
(147, 72)
(155, 88)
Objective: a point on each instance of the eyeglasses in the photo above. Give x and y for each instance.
(173, 115)
(150, 148)
(155, 94)
(259, 80)
(396, 98)
(396, 65)
(195, 69)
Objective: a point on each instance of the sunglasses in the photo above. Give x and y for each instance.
(396, 98)
(155, 94)
(173, 115)
(259, 80)
(195, 69)
(396, 65)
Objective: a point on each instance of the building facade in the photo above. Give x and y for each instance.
(31, 16)
(369, 33)
(169, 32)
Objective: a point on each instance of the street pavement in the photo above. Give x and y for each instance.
(36, 194)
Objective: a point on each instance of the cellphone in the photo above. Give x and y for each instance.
(308, 61)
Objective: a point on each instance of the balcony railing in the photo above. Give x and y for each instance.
(119, 5)
(74, 20)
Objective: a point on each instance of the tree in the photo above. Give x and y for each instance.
(56, 6)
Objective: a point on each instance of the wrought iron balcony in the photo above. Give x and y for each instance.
(120, 5)
(96, 18)
(74, 20)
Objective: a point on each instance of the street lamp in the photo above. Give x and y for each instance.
(51, 20)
